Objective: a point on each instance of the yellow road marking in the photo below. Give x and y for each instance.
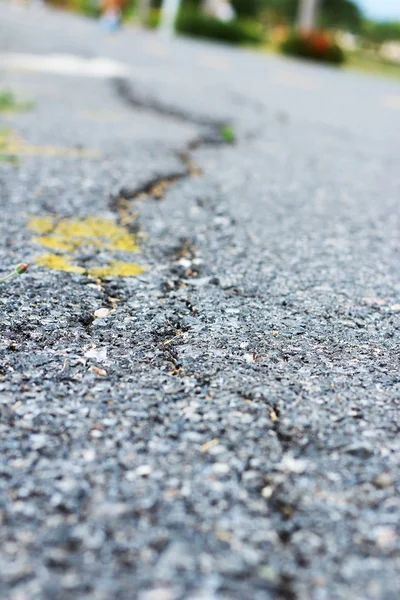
(71, 234)
(29, 150)
(116, 268)
(58, 263)
(67, 236)
(12, 144)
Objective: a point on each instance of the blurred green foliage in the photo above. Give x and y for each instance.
(90, 8)
(343, 14)
(378, 33)
(153, 18)
(340, 14)
(200, 25)
(8, 102)
(316, 46)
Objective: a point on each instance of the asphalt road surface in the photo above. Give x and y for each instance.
(199, 374)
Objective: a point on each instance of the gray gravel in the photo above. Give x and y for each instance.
(244, 439)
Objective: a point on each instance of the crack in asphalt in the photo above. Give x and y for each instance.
(156, 187)
(211, 135)
(131, 96)
(169, 336)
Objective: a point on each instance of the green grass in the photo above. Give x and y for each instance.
(9, 159)
(8, 103)
(228, 134)
(361, 61)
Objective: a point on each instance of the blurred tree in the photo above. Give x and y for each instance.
(248, 8)
(340, 14)
(378, 33)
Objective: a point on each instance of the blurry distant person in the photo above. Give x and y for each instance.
(111, 14)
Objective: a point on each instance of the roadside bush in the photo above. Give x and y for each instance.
(90, 8)
(153, 18)
(316, 45)
(204, 26)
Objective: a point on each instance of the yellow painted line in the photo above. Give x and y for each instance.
(74, 233)
(67, 236)
(30, 150)
(116, 268)
(391, 101)
(58, 263)
(11, 143)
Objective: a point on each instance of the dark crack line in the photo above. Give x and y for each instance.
(150, 187)
(131, 96)
(210, 135)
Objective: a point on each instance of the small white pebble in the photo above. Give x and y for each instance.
(143, 471)
(385, 537)
(289, 464)
(249, 358)
(101, 313)
(99, 354)
(221, 468)
(266, 492)
(383, 480)
(184, 262)
(89, 455)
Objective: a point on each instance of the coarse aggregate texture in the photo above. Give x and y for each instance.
(229, 429)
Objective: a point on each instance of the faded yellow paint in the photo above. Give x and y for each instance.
(70, 234)
(12, 143)
(24, 149)
(66, 236)
(5, 132)
(59, 263)
(5, 157)
(100, 232)
(116, 268)
(41, 225)
(54, 242)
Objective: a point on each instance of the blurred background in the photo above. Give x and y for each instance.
(364, 34)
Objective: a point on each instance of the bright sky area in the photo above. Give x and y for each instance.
(381, 9)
